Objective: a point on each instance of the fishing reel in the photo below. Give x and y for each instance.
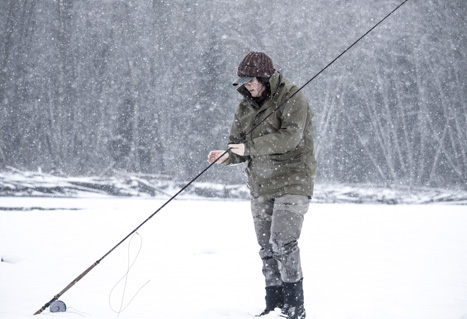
(57, 306)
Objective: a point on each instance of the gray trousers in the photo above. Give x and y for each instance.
(278, 224)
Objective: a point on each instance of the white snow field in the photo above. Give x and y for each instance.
(199, 259)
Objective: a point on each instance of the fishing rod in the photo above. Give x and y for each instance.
(84, 273)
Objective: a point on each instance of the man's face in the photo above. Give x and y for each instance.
(255, 87)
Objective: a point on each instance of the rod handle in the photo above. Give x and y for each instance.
(71, 284)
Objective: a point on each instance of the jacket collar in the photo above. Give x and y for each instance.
(275, 82)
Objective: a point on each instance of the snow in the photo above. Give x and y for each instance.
(37, 184)
(199, 259)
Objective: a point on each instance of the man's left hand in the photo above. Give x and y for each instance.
(238, 149)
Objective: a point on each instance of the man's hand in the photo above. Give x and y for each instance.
(238, 149)
(213, 155)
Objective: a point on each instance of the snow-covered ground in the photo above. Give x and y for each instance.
(199, 259)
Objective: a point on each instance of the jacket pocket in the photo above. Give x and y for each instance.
(286, 159)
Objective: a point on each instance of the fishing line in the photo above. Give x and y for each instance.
(76, 312)
(84, 273)
(125, 277)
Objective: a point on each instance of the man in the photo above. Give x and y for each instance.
(281, 168)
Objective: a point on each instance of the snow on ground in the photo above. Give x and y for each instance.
(199, 259)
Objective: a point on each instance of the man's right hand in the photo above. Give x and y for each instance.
(213, 155)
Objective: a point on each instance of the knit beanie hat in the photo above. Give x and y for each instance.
(254, 64)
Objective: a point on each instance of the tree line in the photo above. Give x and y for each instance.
(98, 87)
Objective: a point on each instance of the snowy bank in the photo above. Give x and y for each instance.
(37, 184)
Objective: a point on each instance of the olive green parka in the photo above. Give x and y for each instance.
(280, 151)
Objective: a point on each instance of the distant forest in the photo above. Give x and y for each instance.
(101, 87)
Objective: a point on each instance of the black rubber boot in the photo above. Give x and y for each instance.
(274, 299)
(293, 301)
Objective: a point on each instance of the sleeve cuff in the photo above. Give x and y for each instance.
(247, 149)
